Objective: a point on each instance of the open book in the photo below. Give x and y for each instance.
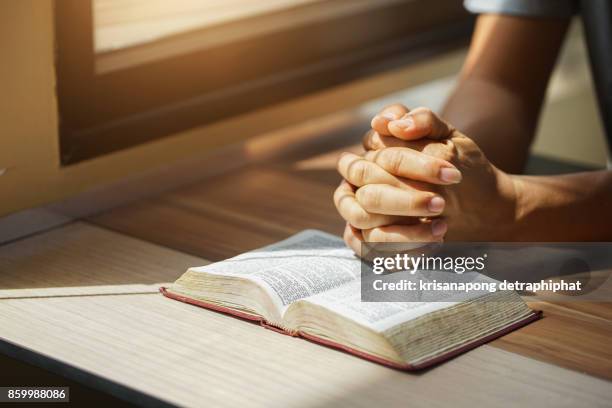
(309, 285)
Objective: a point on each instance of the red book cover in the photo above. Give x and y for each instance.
(408, 367)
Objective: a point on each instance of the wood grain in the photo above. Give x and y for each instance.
(96, 290)
(190, 356)
(18, 373)
(261, 204)
(231, 214)
(194, 357)
(565, 337)
(80, 255)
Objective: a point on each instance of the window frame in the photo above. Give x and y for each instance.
(117, 109)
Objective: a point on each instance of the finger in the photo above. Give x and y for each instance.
(373, 140)
(414, 165)
(353, 213)
(433, 231)
(420, 123)
(353, 239)
(388, 114)
(389, 200)
(359, 171)
(442, 149)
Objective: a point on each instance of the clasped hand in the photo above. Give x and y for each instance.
(421, 180)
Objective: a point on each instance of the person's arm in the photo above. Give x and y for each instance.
(502, 85)
(441, 174)
(570, 207)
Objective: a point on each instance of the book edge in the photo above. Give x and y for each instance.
(225, 310)
(535, 315)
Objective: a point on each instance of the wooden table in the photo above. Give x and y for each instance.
(83, 297)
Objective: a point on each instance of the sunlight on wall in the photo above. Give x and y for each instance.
(124, 23)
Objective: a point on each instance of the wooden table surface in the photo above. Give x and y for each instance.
(261, 204)
(96, 280)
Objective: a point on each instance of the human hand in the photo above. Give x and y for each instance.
(421, 180)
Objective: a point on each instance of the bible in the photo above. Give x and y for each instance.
(309, 286)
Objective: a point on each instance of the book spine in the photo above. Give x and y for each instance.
(279, 328)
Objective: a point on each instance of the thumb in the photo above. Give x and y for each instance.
(420, 123)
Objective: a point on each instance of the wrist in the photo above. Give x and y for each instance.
(523, 198)
(516, 199)
(562, 208)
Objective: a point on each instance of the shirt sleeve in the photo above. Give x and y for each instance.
(526, 8)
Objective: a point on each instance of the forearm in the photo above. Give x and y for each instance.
(495, 118)
(572, 207)
(502, 85)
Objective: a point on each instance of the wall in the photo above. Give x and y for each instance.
(28, 119)
(28, 116)
(29, 152)
(570, 126)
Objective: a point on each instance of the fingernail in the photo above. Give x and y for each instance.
(388, 115)
(436, 204)
(450, 175)
(438, 228)
(406, 123)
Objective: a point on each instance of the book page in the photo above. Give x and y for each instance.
(379, 316)
(303, 265)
